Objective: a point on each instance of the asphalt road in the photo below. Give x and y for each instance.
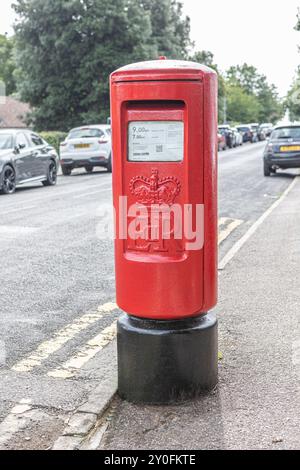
(55, 270)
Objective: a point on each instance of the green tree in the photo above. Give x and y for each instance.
(256, 85)
(271, 107)
(292, 101)
(7, 64)
(241, 106)
(66, 50)
(170, 29)
(245, 76)
(207, 58)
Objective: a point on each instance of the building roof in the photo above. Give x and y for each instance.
(13, 113)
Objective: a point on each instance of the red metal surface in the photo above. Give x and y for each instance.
(161, 279)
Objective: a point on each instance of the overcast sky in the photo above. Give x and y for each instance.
(259, 32)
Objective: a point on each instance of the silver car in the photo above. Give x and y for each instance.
(86, 147)
(238, 137)
(25, 158)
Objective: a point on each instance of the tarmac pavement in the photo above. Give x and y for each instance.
(256, 404)
(57, 348)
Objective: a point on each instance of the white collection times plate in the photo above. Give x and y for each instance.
(155, 141)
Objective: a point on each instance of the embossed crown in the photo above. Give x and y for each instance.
(154, 190)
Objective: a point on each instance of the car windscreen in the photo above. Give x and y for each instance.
(286, 133)
(6, 141)
(243, 129)
(85, 133)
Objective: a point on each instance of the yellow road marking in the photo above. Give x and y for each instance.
(222, 221)
(229, 228)
(92, 347)
(64, 335)
(85, 353)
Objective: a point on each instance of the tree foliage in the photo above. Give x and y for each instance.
(170, 28)
(66, 50)
(7, 64)
(241, 106)
(207, 58)
(247, 79)
(293, 98)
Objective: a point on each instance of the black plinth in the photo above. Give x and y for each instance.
(161, 362)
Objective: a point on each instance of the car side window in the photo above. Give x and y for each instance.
(36, 140)
(21, 140)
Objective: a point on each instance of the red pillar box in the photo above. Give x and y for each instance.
(164, 121)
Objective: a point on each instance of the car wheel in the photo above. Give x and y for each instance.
(66, 171)
(267, 170)
(109, 166)
(52, 175)
(89, 169)
(9, 180)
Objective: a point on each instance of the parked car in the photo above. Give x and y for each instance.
(226, 130)
(267, 127)
(25, 158)
(283, 149)
(254, 129)
(261, 134)
(86, 147)
(238, 137)
(221, 142)
(246, 132)
(258, 132)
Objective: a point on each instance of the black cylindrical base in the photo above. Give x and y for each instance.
(161, 362)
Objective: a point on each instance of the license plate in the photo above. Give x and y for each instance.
(82, 146)
(291, 148)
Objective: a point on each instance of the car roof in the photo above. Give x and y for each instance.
(93, 126)
(284, 126)
(13, 130)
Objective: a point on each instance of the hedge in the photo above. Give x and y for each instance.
(54, 138)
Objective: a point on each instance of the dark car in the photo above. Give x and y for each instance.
(267, 128)
(258, 132)
(261, 134)
(283, 149)
(247, 133)
(229, 135)
(25, 158)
